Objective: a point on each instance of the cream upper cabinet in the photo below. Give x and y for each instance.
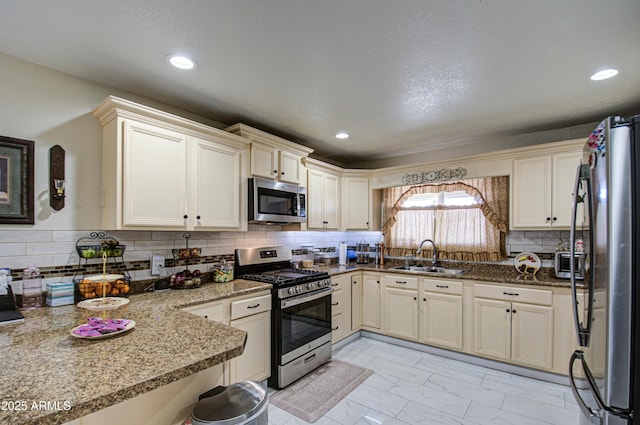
(274, 164)
(441, 313)
(542, 189)
(322, 200)
(273, 157)
(356, 204)
(514, 324)
(371, 301)
(163, 172)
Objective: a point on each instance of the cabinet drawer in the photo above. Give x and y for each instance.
(338, 302)
(250, 306)
(401, 281)
(340, 283)
(443, 286)
(211, 311)
(524, 295)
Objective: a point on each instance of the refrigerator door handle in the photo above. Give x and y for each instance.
(583, 331)
(593, 414)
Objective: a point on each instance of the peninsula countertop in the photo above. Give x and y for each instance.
(51, 377)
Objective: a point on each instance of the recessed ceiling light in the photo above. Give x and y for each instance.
(342, 135)
(182, 62)
(604, 74)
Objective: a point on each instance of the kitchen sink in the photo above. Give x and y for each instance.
(431, 269)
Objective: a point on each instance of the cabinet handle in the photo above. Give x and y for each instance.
(401, 282)
(254, 306)
(335, 329)
(335, 303)
(515, 294)
(334, 284)
(442, 286)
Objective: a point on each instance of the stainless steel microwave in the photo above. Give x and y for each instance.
(276, 202)
(563, 265)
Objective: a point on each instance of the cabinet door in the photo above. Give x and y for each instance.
(441, 320)
(264, 161)
(315, 201)
(255, 363)
(371, 301)
(356, 302)
(532, 335)
(154, 186)
(401, 313)
(355, 204)
(564, 174)
(289, 167)
(216, 188)
(492, 328)
(331, 193)
(531, 194)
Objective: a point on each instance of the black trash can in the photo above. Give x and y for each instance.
(243, 403)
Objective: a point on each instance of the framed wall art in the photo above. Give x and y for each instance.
(16, 181)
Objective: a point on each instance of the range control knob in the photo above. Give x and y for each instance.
(297, 289)
(309, 286)
(290, 291)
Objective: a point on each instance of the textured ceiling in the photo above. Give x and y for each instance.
(400, 76)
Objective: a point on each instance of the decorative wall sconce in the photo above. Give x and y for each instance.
(56, 178)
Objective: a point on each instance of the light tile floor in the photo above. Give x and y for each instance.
(411, 387)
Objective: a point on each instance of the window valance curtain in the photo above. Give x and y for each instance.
(474, 233)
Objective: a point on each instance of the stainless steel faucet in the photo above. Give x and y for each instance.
(434, 261)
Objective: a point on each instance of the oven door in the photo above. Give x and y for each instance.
(303, 320)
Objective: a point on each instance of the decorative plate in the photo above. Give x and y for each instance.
(527, 263)
(100, 304)
(77, 332)
(104, 277)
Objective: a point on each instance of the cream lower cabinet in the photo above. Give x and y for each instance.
(371, 302)
(356, 301)
(251, 313)
(401, 306)
(441, 313)
(340, 307)
(518, 331)
(164, 172)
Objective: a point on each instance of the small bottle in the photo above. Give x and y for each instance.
(579, 245)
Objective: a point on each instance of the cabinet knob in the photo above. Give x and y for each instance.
(555, 218)
(548, 218)
(275, 171)
(185, 216)
(424, 299)
(513, 311)
(508, 310)
(197, 217)
(415, 299)
(282, 173)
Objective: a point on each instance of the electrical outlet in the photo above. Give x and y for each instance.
(157, 262)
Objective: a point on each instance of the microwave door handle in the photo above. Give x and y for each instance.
(583, 331)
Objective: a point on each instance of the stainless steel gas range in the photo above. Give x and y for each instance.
(300, 315)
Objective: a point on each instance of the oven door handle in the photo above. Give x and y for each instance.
(299, 299)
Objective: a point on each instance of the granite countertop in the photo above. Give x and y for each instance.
(43, 363)
(497, 273)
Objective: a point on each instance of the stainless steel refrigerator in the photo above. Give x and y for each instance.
(603, 370)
